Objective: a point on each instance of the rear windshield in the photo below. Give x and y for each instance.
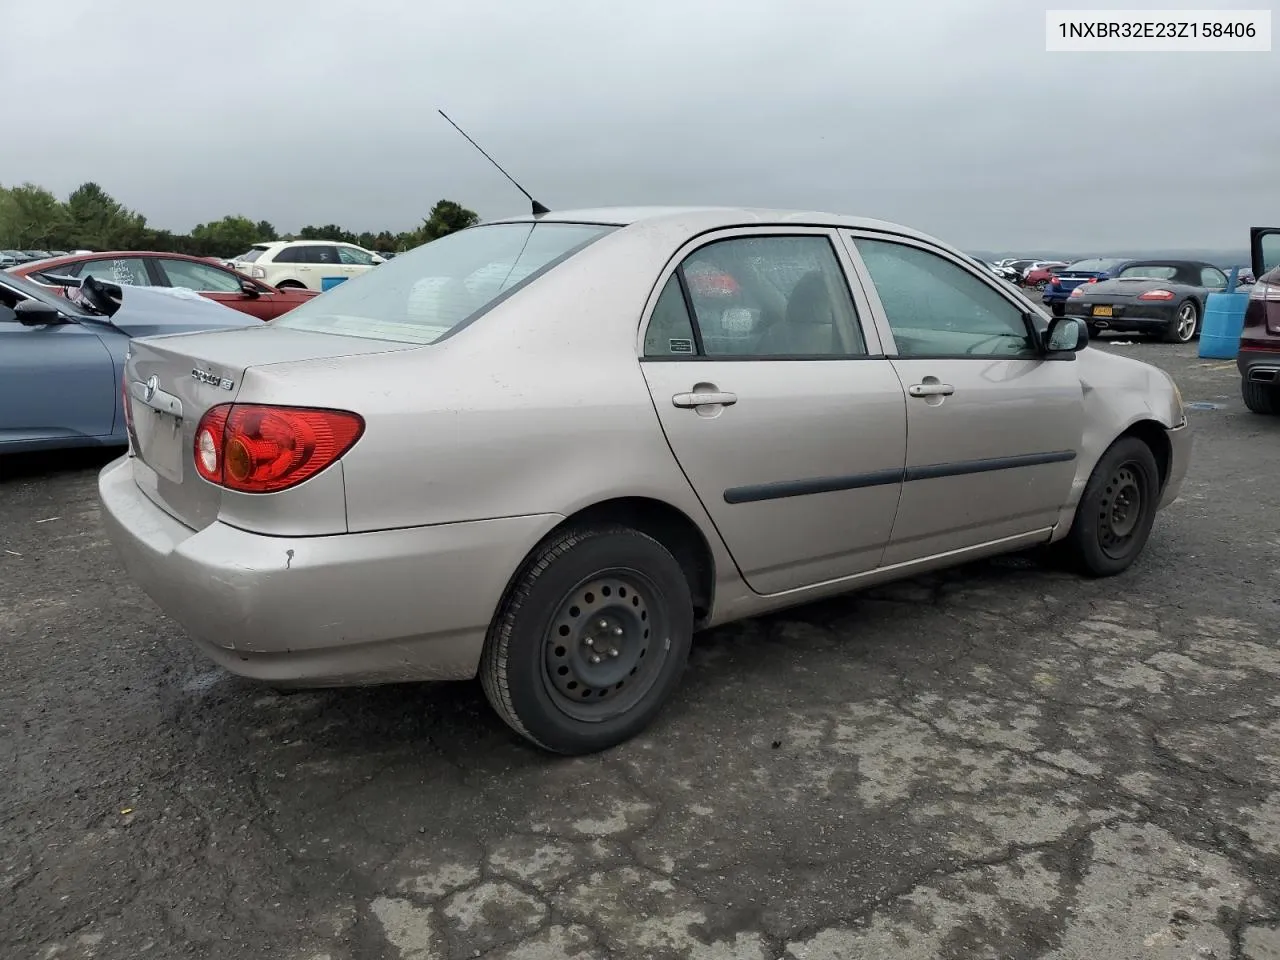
(252, 255)
(1100, 265)
(1150, 271)
(422, 295)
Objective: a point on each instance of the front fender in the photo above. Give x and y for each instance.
(1117, 394)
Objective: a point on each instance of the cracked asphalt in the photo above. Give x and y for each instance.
(999, 761)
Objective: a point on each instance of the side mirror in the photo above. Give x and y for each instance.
(250, 289)
(36, 313)
(1066, 336)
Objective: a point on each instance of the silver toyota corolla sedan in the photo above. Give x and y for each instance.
(547, 450)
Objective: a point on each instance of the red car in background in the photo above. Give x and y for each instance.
(154, 269)
(1039, 277)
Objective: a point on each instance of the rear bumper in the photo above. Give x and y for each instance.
(1128, 316)
(409, 604)
(1180, 458)
(1259, 364)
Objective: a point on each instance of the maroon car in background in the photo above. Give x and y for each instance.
(1039, 277)
(154, 269)
(1259, 356)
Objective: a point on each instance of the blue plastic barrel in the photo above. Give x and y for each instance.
(1221, 326)
(328, 283)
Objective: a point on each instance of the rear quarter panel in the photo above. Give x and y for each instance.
(538, 407)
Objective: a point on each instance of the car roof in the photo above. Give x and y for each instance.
(711, 218)
(304, 243)
(112, 254)
(1162, 262)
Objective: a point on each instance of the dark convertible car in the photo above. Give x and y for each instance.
(1162, 297)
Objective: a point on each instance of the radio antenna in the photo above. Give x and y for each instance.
(538, 209)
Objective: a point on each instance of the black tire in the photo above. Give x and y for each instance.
(1172, 333)
(1058, 309)
(540, 645)
(1105, 539)
(1261, 398)
(290, 285)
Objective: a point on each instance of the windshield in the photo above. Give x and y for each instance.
(33, 291)
(423, 295)
(1098, 265)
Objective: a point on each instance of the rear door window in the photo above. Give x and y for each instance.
(125, 271)
(771, 297)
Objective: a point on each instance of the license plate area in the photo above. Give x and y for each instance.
(159, 441)
(1102, 311)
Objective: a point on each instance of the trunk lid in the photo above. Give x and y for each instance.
(1070, 279)
(172, 381)
(1123, 290)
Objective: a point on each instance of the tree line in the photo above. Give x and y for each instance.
(33, 218)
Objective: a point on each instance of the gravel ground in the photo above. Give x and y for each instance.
(999, 761)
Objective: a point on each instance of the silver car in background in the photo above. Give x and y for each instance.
(547, 450)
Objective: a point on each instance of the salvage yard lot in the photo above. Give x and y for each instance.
(998, 761)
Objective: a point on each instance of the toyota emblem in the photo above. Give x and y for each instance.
(153, 384)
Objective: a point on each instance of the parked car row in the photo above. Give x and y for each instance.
(1020, 272)
(12, 258)
(134, 268)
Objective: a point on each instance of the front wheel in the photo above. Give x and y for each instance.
(590, 640)
(1116, 511)
(290, 285)
(1182, 328)
(1261, 398)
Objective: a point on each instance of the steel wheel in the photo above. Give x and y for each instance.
(590, 639)
(598, 655)
(1120, 511)
(1116, 511)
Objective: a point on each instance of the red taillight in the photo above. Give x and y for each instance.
(1092, 280)
(1157, 295)
(1054, 282)
(261, 449)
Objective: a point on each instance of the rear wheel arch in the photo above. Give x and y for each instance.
(670, 526)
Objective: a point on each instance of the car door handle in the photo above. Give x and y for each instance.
(931, 390)
(702, 399)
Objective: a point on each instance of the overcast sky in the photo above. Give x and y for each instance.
(947, 115)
